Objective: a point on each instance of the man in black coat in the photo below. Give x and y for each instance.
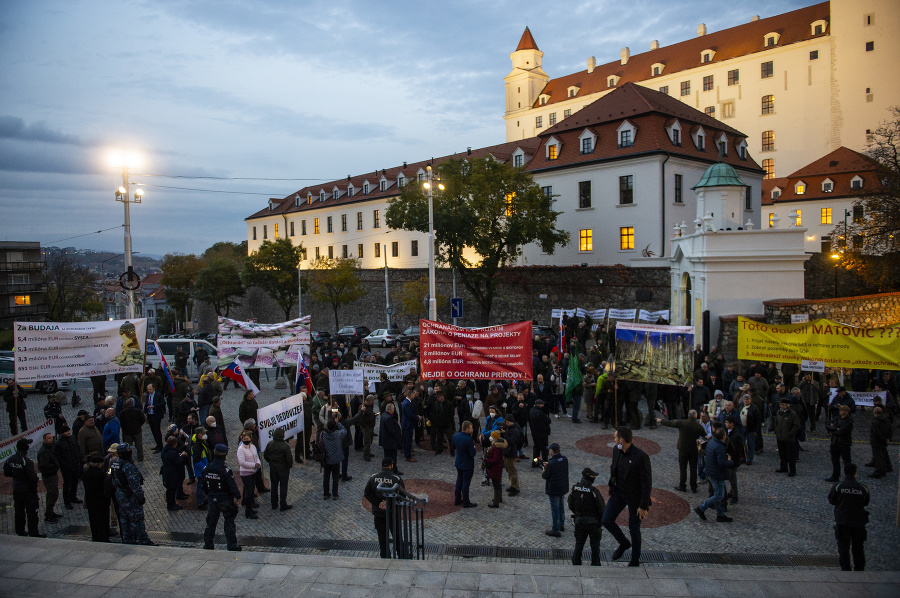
(880, 434)
(587, 506)
(173, 462)
(630, 482)
(390, 437)
(540, 431)
(689, 431)
(841, 429)
(69, 456)
(95, 500)
(25, 497)
(850, 499)
(14, 396)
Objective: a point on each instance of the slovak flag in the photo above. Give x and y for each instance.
(561, 347)
(235, 372)
(164, 366)
(303, 378)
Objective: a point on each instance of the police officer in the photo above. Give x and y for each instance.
(221, 492)
(850, 499)
(129, 485)
(25, 497)
(385, 477)
(587, 505)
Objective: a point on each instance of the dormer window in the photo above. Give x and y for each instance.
(657, 69)
(856, 182)
(588, 141)
(722, 144)
(336, 193)
(366, 187)
(819, 27)
(544, 98)
(613, 80)
(627, 133)
(553, 148)
(741, 147)
(707, 56)
(273, 205)
(699, 137)
(518, 158)
(401, 181)
(382, 186)
(673, 130)
(776, 193)
(771, 39)
(309, 198)
(827, 186)
(800, 188)
(573, 91)
(420, 175)
(350, 190)
(321, 195)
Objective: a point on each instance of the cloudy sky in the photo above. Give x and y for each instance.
(246, 91)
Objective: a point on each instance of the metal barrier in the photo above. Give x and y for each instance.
(405, 524)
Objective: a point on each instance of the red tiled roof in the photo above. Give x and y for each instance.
(159, 294)
(793, 27)
(840, 166)
(151, 279)
(527, 42)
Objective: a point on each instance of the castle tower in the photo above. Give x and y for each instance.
(523, 84)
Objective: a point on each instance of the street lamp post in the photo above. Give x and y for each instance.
(123, 194)
(432, 295)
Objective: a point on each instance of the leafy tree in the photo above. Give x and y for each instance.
(411, 298)
(336, 282)
(235, 253)
(488, 208)
(273, 268)
(166, 320)
(180, 273)
(71, 292)
(219, 284)
(871, 246)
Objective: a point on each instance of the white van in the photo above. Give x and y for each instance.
(169, 346)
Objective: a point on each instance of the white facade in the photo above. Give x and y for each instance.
(818, 217)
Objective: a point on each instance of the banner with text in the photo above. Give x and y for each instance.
(838, 345)
(395, 373)
(654, 353)
(345, 382)
(622, 314)
(652, 316)
(286, 414)
(866, 399)
(262, 345)
(54, 350)
(500, 352)
(8, 446)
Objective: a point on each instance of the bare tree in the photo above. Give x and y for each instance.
(71, 291)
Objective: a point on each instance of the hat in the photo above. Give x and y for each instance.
(83, 412)
(172, 428)
(222, 448)
(65, 429)
(151, 371)
(841, 389)
(23, 444)
(495, 435)
(539, 402)
(784, 400)
(719, 393)
(554, 447)
(122, 448)
(113, 448)
(745, 387)
(96, 459)
(200, 430)
(587, 472)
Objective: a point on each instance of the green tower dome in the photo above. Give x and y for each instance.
(719, 175)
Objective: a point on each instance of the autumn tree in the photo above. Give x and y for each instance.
(411, 299)
(219, 283)
(488, 210)
(180, 273)
(336, 282)
(273, 268)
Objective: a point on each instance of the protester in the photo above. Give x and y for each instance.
(465, 465)
(249, 464)
(95, 500)
(493, 466)
(278, 456)
(556, 485)
(630, 483)
(174, 458)
(69, 456)
(689, 431)
(14, 396)
(48, 465)
(841, 429)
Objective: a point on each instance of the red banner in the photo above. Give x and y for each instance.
(494, 353)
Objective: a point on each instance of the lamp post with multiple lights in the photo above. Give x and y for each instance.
(123, 194)
(432, 295)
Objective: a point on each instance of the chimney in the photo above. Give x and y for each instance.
(701, 29)
(404, 165)
(592, 64)
(468, 151)
(754, 18)
(625, 54)
(654, 45)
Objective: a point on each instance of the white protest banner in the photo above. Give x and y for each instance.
(558, 313)
(345, 382)
(286, 414)
(8, 446)
(622, 314)
(866, 399)
(54, 350)
(652, 316)
(594, 314)
(395, 373)
(262, 345)
(799, 318)
(812, 366)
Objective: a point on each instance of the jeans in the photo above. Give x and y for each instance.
(716, 499)
(463, 482)
(278, 482)
(199, 466)
(558, 512)
(576, 406)
(616, 504)
(751, 446)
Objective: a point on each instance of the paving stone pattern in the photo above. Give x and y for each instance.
(775, 515)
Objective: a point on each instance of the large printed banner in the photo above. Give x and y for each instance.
(654, 353)
(372, 372)
(622, 314)
(493, 353)
(54, 350)
(838, 345)
(8, 446)
(286, 414)
(345, 382)
(861, 398)
(262, 345)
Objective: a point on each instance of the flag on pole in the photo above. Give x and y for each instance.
(164, 366)
(235, 372)
(561, 345)
(303, 379)
(573, 377)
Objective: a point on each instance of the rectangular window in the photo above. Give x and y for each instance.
(710, 111)
(552, 152)
(292, 228)
(771, 219)
(265, 231)
(769, 166)
(678, 183)
(748, 198)
(414, 248)
(303, 227)
(329, 225)
(518, 160)
(359, 221)
(870, 46)
(826, 216)
(538, 121)
(315, 226)
(19, 279)
(344, 252)
(510, 207)
(685, 88)
(814, 55)
(625, 138)
(768, 141)
(626, 189)
(395, 249)
(383, 185)
(302, 253)
(377, 249)
(626, 237)
(552, 118)
(343, 223)
(664, 89)
(548, 192)
(676, 136)
(799, 218)
(767, 69)
(276, 230)
(331, 252)
(770, 41)
(585, 240)
(800, 189)
(827, 187)
(587, 145)
(817, 30)
(401, 181)
(254, 233)
(318, 255)
(708, 83)
(376, 219)
(768, 104)
(22, 299)
(584, 194)
(858, 214)
(567, 113)
(734, 77)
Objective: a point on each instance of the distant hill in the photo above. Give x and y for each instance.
(109, 263)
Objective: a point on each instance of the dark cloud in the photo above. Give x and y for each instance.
(12, 127)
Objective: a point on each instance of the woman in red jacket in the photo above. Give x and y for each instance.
(493, 465)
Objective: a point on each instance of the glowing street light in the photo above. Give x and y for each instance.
(126, 161)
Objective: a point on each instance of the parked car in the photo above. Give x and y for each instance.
(409, 335)
(320, 336)
(7, 372)
(352, 335)
(212, 339)
(383, 337)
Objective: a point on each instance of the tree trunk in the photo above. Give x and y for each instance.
(335, 308)
(485, 315)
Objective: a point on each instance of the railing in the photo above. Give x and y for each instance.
(404, 523)
(22, 266)
(26, 287)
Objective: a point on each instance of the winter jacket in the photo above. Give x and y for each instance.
(278, 453)
(493, 460)
(512, 435)
(717, 463)
(248, 459)
(689, 430)
(556, 474)
(841, 429)
(787, 425)
(334, 448)
(539, 422)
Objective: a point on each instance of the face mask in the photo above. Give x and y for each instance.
(431, 391)
(212, 425)
(203, 437)
(468, 396)
(246, 442)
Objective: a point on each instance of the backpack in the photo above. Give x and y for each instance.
(318, 450)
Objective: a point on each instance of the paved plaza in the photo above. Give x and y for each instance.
(775, 516)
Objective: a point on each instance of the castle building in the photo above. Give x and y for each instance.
(799, 84)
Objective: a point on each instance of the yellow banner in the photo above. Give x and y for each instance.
(838, 345)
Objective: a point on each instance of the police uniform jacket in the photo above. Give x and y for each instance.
(127, 479)
(373, 495)
(630, 475)
(218, 481)
(849, 498)
(21, 469)
(586, 503)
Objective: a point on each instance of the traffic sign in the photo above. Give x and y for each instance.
(390, 310)
(456, 307)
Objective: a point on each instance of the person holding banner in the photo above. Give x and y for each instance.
(14, 395)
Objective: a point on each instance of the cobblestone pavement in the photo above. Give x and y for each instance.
(775, 515)
(62, 568)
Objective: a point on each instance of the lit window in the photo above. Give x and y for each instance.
(768, 141)
(584, 194)
(626, 237)
(771, 219)
(377, 249)
(23, 299)
(586, 145)
(510, 207)
(552, 118)
(343, 223)
(303, 227)
(315, 226)
(585, 240)
(329, 225)
(626, 189)
(685, 88)
(552, 152)
(800, 189)
(359, 225)
(769, 166)
(664, 89)
(799, 218)
(414, 248)
(768, 104)
(376, 219)
(395, 249)
(538, 121)
(767, 69)
(359, 251)
(678, 184)
(826, 216)
(708, 83)
(734, 77)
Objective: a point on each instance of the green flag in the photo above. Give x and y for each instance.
(573, 378)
